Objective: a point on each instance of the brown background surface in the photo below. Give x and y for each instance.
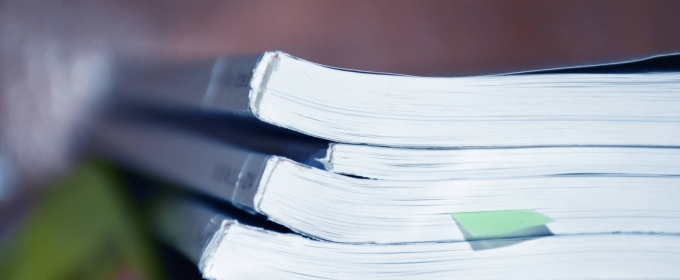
(416, 37)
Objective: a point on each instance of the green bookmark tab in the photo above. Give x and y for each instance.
(498, 223)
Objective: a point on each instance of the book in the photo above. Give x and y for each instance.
(333, 207)
(390, 163)
(562, 173)
(224, 248)
(549, 108)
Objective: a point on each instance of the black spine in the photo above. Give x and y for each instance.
(185, 225)
(217, 85)
(229, 87)
(201, 164)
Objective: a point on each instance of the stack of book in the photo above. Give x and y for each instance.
(563, 173)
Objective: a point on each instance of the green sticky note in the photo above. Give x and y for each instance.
(498, 223)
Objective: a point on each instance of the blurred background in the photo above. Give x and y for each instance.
(54, 58)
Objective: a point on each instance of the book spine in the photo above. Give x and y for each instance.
(231, 83)
(187, 226)
(222, 85)
(201, 164)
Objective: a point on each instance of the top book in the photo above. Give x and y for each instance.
(548, 108)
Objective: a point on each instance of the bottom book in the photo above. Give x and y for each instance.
(223, 248)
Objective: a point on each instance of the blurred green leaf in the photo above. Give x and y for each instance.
(85, 227)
